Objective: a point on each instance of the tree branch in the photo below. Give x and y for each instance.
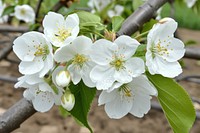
(142, 15)
(15, 115)
(38, 9)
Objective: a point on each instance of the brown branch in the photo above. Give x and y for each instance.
(15, 115)
(142, 15)
(38, 9)
(193, 53)
(5, 51)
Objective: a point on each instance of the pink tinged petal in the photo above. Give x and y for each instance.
(31, 67)
(122, 76)
(75, 73)
(126, 46)
(106, 97)
(102, 51)
(135, 66)
(175, 49)
(103, 76)
(168, 69)
(118, 108)
(64, 54)
(43, 101)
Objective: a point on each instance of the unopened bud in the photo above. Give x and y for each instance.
(68, 100)
(63, 78)
(109, 35)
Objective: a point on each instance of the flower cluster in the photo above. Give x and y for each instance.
(62, 56)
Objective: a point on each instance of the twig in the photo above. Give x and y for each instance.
(8, 79)
(5, 51)
(57, 6)
(193, 53)
(140, 16)
(38, 9)
(15, 115)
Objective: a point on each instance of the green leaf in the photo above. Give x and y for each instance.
(63, 111)
(83, 99)
(117, 22)
(86, 17)
(175, 102)
(137, 3)
(8, 10)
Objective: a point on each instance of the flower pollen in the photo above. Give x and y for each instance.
(125, 92)
(160, 50)
(41, 51)
(117, 63)
(79, 59)
(62, 34)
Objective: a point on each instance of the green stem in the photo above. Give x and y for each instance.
(142, 34)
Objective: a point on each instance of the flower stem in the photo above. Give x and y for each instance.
(142, 34)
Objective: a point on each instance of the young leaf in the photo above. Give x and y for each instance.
(175, 102)
(117, 22)
(8, 10)
(83, 99)
(88, 17)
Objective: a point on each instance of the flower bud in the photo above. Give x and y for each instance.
(68, 100)
(63, 78)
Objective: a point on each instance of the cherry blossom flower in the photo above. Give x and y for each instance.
(63, 78)
(77, 52)
(133, 98)
(42, 95)
(59, 30)
(25, 13)
(190, 3)
(163, 50)
(35, 52)
(115, 62)
(117, 11)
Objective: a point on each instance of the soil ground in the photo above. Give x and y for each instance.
(52, 122)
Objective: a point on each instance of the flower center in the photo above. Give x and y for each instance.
(126, 93)
(41, 51)
(79, 59)
(22, 11)
(160, 50)
(117, 63)
(62, 34)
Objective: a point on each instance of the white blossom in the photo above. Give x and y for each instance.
(59, 30)
(117, 11)
(25, 13)
(163, 50)
(4, 18)
(190, 3)
(133, 98)
(42, 95)
(77, 52)
(35, 53)
(115, 62)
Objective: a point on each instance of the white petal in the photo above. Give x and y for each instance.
(118, 107)
(103, 76)
(141, 105)
(135, 66)
(43, 101)
(72, 21)
(126, 46)
(81, 44)
(168, 69)
(75, 73)
(55, 72)
(28, 95)
(64, 54)
(102, 51)
(122, 76)
(86, 74)
(176, 50)
(106, 97)
(48, 64)
(31, 67)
